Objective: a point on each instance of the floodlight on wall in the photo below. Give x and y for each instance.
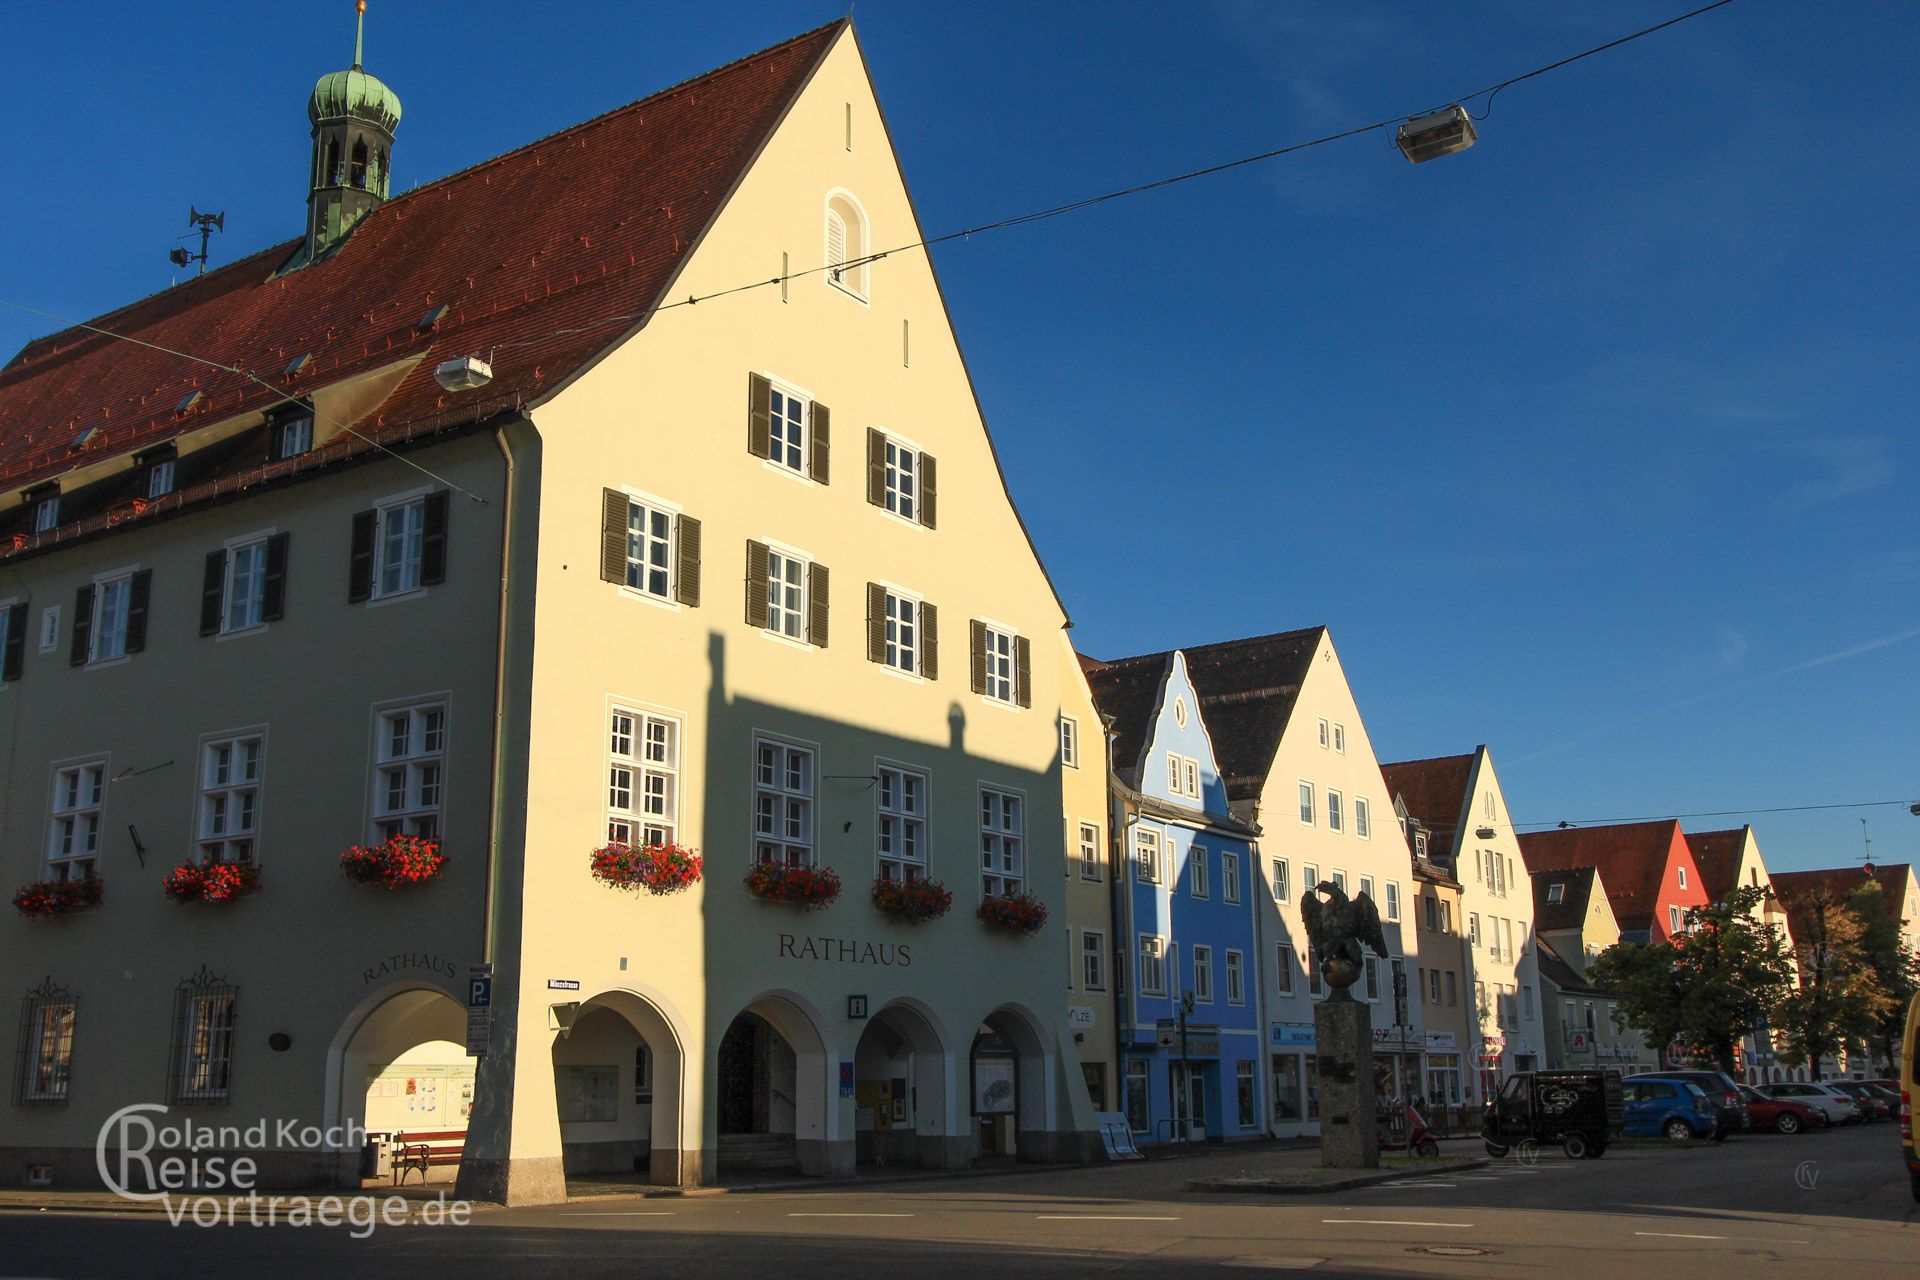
(463, 373)
(1439, 133)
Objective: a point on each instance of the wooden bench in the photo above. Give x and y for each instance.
(421, 1151)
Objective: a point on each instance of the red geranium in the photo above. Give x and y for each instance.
(808, 887)
(58, 897)
(912, 900)
(1016, 912)
(658, 868)
(211, 881)
(395, 861)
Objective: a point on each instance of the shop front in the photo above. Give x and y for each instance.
(1295, 1109)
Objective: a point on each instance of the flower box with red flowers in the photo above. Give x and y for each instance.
(58, 897)
(395, 861)
(211, 881)
(660, 869)
(1015, 912)
(913, 901)
(808, 887)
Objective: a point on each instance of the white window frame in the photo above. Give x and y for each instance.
(1199, 872)
(1190, 777)
(900, 800)
(112, 590)
(1340, 879)
(1683, 876)
(789, 442)
(46, 513)
(1069, 742)
(1151, 964)
(1001, 644)
(1324, 729)
(1393, 899)
(159, 478)
(853, 281)
(1173, 773)
(1229, 876)
(405, 566)
(1002, 815)
(650, 509)
(778, 587)
(1473, 930)
(1556, 894)
(1283, 968)
(1090, 850)
(785, 817)
(1371, 977)
(1336, 817)
(1340, 738)
(643, 780)
(1282, 875)
(420, 766)
(1147, 865)
(293, 436)
(901, 491)
(228, 808)
(1308, 808)
(1362, 818)
(1310, 874)
(1236, 976)
(74, 825)
(1673, 918)
(1093, 960)
(247, 612)
(1202, 973)
(904, 633)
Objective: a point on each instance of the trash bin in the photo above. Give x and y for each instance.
(376, 1157)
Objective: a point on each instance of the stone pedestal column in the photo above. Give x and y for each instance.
(1343, 1033)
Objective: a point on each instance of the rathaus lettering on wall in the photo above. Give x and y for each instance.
(846, 950)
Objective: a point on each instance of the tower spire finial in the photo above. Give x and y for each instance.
(359, 30)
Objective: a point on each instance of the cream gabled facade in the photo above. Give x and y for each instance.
(690, 578)
(1095, 957)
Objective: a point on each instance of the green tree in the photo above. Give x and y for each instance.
(1709, 985)
(1840, 999)
(1896, 970)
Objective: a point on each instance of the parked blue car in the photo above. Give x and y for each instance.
(1679, 1109)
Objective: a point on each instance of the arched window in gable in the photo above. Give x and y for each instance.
(847, 247)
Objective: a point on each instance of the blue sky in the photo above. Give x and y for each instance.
(1595, 444)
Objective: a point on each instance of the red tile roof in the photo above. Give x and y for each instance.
(544, 257)
(1632, 857)
(1435, 793)
(1717, 854)
(1126, 692)
(1796, 888)
(1247, 689)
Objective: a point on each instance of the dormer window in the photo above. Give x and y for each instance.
(45, 502)
(1556, 893)
(156, 480)
(292, 436)
(1420, 844)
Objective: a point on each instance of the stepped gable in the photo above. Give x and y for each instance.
(544, 257)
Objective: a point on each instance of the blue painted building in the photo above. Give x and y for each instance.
(1184, 909)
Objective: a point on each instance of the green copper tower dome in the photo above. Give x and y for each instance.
(353, 116)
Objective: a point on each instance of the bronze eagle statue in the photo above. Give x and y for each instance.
(1336, 930)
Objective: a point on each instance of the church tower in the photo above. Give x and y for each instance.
(354, 116)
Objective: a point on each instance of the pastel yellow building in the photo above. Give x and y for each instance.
(499, 545)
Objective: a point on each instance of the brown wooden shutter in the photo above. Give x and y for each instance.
(817, 605)
(929, 641)
(360, 560)
(82, 625)
(213, 585)
(818, 456)
(433, 547)
(1023, 671)
(613, 536)
(15, 620)
(978, 658)
(139, 596)
(686, 578)
(273, 591)
(876, 468)
(759, 416)
(929, 498)
(876, 622)
(756, 584)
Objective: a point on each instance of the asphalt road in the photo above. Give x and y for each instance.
(1823, 1204)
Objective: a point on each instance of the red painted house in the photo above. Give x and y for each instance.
(1649, 871)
